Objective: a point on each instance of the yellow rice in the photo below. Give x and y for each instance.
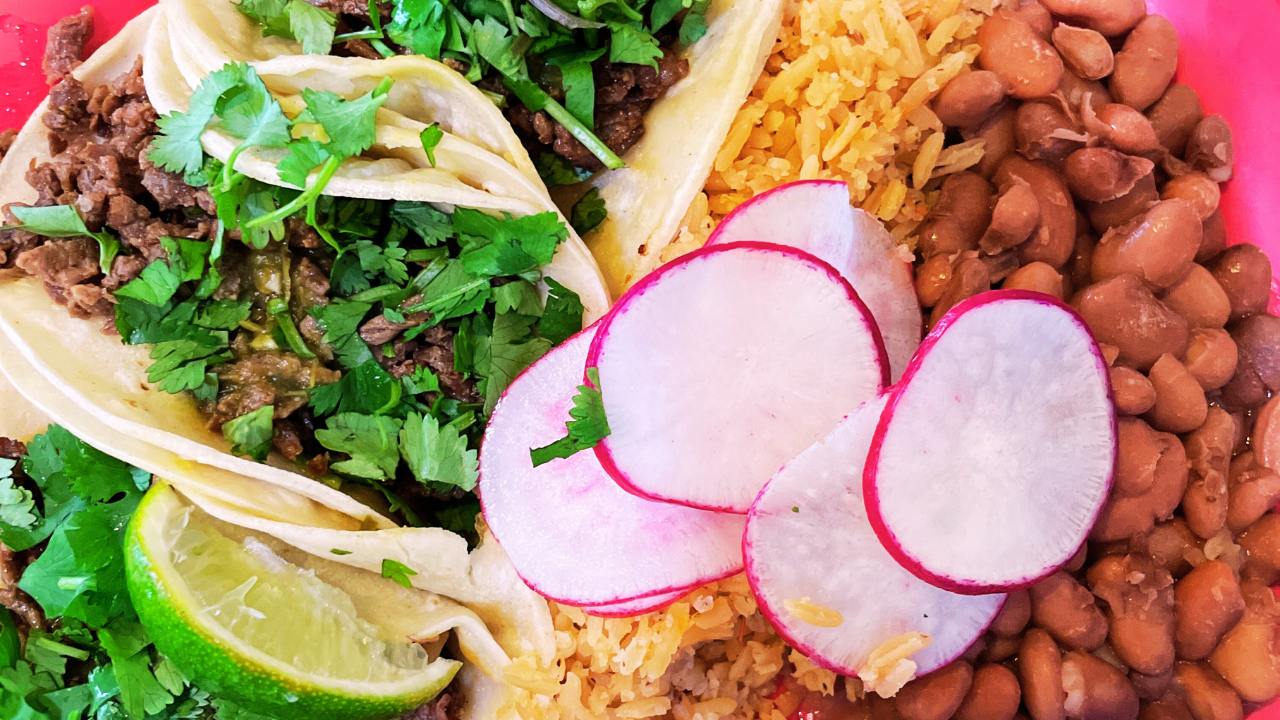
(842, 97)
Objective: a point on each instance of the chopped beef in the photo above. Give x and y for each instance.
(66, 43)
(6, 141)
(124, 269)
(61, 263)
(400, 362)
(310, 287)
(357, 8)
(93, 209)
(380, 330)
(267, 378)
(318, 466)
(301, 235)
(169, 189)
(14, 242)
(444, 707)
(361, 48)
(288, 440)
(12, 450)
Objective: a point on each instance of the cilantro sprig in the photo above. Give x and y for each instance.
(62, 221)
(586, 428)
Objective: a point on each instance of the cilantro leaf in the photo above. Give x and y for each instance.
(555, 170)
(386, 258)
(312, 26)
(512, 349)
(431, 138)
(497, 47)
(251, 113)
(367, 390)
(433, 226)
(177, 148)
(155, 286)
(586, 429)
(304, 156)
(262, 11)
(141, 692)
(520, 296)
(437, 454)
(664, 11)
(348, 123)
(420, 25)
(370, 440)
(60, 221)
(693, 27)
(251, 434)
(589, 212)
(17, 505)
(422, 381)
(579, 83)
(495, 247)
(341, 323)
(630, 45)
(224, 314)
(398, 572)
(563, 315)
(453, 293)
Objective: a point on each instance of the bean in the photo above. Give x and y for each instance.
(1080, 267)
(1180, 402)
(999, 266)
(1013, 616)
(1197, 189)
(1123, 313)
(1199, 299)
(1265, 438)
(1258, 369)
(1015, 217)
(1096, 690)
(994, 695)
(1209, 454)
(1045, 132)
(1100, 174)
(1084, 52)
(1207, 695)
(1244, 272)
(1066, 609)
(1075, 88)
(1173, 546)
(1169, 708)
(970, 278)
(962, 213)
(1124, 516)
(1151, 687)
(1210, 148)
(1261, 545)
(1138, 452)
(1209, 604)
(999, 648)
(1139, 608)
(1124, 128)
(1211, 357)
(1252, 489)
(1133, 392)
(1034, 14)
(1109, 17)
(878, 708)
(971, 98)
(1247, 657)
(1175, 116)
(1215, 238)
(1158, 247)
(1144, 67)
(1037, 277)
(935, 696)
(1013, 49)
(998, 137)
(1040, 670)
(1114, 213)
(932, 278)
(1054, 241)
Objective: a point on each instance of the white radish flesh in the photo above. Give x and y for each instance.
(574, 535)
(724, 364)
(808, 538)
(815, 216)
(997, 451)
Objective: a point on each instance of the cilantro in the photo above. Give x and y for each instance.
(341, 323)
(438, 454)
(512, 349)
(177, 148)
(453, 293)
(17, 505)
(587, 427)
(419, 25)
(251, 434)
(495, 247)
(370, 440)
(460, 517)
(10, 643)
(433, 226)
(694, 26)
(141, 692)
(664, 11)
(279, 309)
(555, 170)
(366, 390)
(421, 382)
(336, 551)
(630, 45)
(520, 296)
(431, 138)
(224, 314)
(563, 315)
(398, 572)
(311, 26)
(304, 156)
(579, 82)
(589, 212)
(496, 45)
(348, 123)
(386, 258)
(60, 221)
(181, 364)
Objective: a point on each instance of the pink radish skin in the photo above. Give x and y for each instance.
(632, 608)
(721, 366)
(808, 537)
(815, 216)
(573, 535)
(997, 449)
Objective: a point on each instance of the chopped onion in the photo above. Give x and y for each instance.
(567, 19)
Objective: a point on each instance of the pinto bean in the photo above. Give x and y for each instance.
(1211, 357)
(1067, 611)
(1144, 67)
(994, 695)
(1015, 217)
(1244, 272)
(932, 278)
(1209, 455)
(1084, 52)
(1015, 51)
(1151, 687)
(1158, 247)
(999, 648)
(935, 696)
(1037, 277)
(1143, 453)
(1258, 369)
(1074, 89)
(1252, 489)
(1215, 238)
(1139, 607)
(1013, 616)
(1114, 213)
(1199, 298)
(1175, 116)
(1040, 670)
(1054, 241)
(1045, 132)
(1261, 545)
(970, 278)
(971, 98)
(1100, 174)
(1265, 437)
(1124, 128)
(998, 136)
(1180, 402)
(1080, 268)
(1034, 14)
(1173, 546)
(1197, 189)
(1096, 690)
(1167, 708)
(1133, 392)
(1207, 695)
(1249, 655)
(1123, 313)
(962, 213)
(1209, 604)
(1109, 17)
(1210, 148)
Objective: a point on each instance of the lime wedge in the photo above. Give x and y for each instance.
(245, 624)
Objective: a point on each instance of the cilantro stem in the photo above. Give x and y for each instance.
(382, 48)
(375, 17)
(363, 35)
(279, 309)
(304, 200)
(584, 135)
(511, 17)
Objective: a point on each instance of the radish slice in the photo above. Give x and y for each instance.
(573, 535)
(632, 608)
(815, 216)
(997, 451)
(721, 366)
(808, 538)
